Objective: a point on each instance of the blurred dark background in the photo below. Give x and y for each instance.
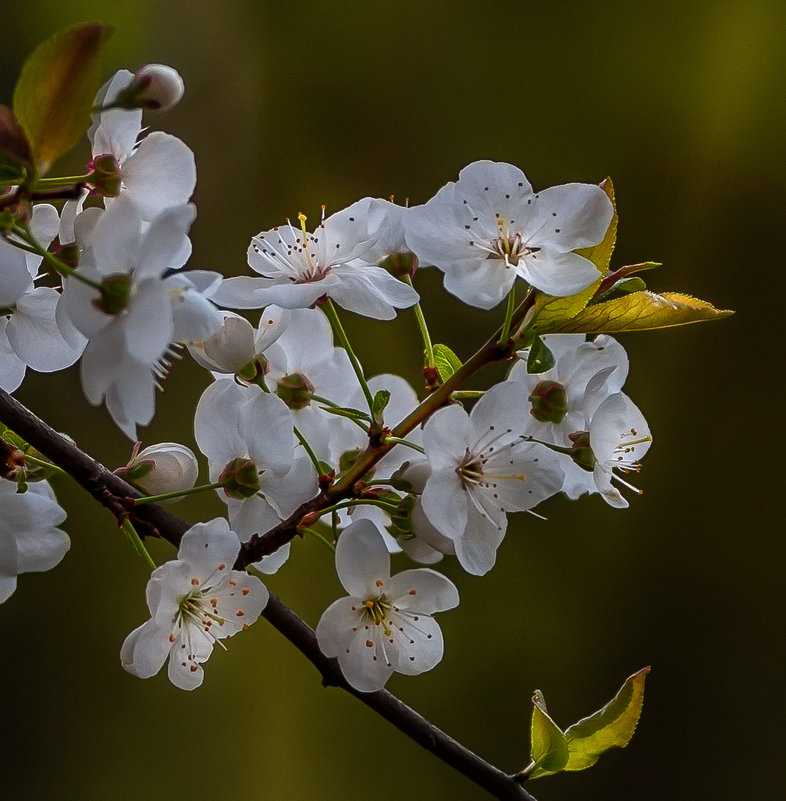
(290, 105)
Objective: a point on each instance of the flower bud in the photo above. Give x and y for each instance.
(581, 452)
(229, 350)
(115, 294)
(155, 86)
(241, 479)
(160, 469)
(549, 402)
(294, 390)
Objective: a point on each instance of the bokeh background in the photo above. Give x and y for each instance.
(290, 105)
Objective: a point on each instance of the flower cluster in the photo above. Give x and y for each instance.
(297, 439)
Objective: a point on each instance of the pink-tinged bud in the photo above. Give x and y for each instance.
(581, 452)
(104, 177)
(549, 402)
(157, 86)
(294, 390)
(241, 479)
(162, 468)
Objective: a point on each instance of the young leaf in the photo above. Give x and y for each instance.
(549, 747)
(610, 727)
(550, 310)
(378, 404)
(55, 91)
(445, 361)
(540, 357)
(15, 154)
(640, 311)
(600, 254)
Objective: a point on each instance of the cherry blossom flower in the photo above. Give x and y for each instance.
(385, 625)
(618, 436)
(29, 333)
(29, 538)
(480, 470)
(194, 601)
(563, 399)
(490, 227)
(298, 268)
(130, 336)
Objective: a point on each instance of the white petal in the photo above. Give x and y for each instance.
(205, 547)
(446, 504)
(335, 628)
(557, 272)
(420, 644)
(362, 559)
(145, 650)
(422, 590)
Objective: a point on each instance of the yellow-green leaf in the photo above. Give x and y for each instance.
(610, 727)
(56, 88)
(600, 254)
(549, 747)
(446, 361)
(640, 311)
(550, 310)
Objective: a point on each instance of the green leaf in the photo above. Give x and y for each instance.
(378, 404)
(446, 361)
(540, 357)
(640, 311)
(550, 310)
(623, 287)
(600, 254)
(56, 88)
(610, 727)
(549, 746)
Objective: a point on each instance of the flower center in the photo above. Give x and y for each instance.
(509, 248)
(193, 610)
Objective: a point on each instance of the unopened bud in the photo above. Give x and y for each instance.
(241, 479)
(104, 177)
(294, 390)
(581, 452)
(229, 350)
(162, 468)
(153, 86)
(549, 402)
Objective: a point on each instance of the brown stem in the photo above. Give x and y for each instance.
(265, 544)
(110, 489)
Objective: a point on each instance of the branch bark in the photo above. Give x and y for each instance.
(110, 490)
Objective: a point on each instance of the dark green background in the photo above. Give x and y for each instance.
(290, 105)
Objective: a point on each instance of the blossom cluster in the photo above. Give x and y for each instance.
(289, 412)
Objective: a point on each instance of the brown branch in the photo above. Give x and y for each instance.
(110, 490)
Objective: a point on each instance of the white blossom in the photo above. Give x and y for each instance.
(385, 624)
(161, 468)
(490, 227)
(194, 601)
(298, 268)
(29, 538)
(480, 470)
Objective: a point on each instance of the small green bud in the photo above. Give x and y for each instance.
(253, 370)
(549, 402)
(348, 458)
(115, 294)
(581, 452)
(241, 477)
(294, 390)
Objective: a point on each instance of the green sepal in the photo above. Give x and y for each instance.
(640, 311)
(446, 361)
(549, 746)
(610, 727)
(540, 358)
(54, 95)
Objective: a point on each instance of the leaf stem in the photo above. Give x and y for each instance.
(324, 540)
(401, 441)
(178, 494)
(341, 335)
(509, 309)
(428, 347)
(309, 450)
(136, 542)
